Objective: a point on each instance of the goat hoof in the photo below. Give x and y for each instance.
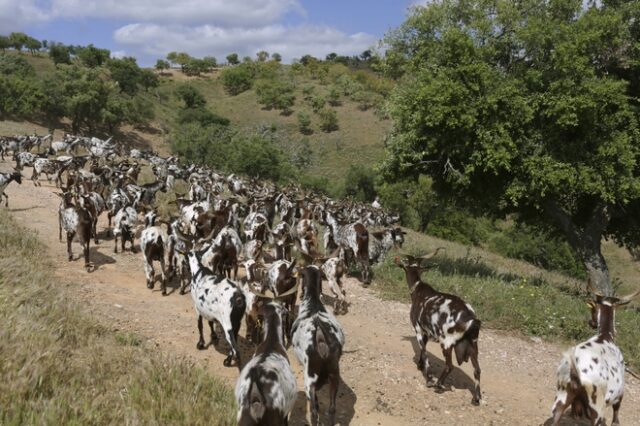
(201, 346)
(420, 366)
(164, 293)
(150, 285)
(439, 388)
(182, 292)
(227, 361)
(476, 402)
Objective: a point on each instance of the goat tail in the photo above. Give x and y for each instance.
(257, 404)
(468, 344)
(321, 343)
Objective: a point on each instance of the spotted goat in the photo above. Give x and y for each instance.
(445, 319)
(154, 241)
(317, 341)
(266, 389)
(591, 374)
(5, 180)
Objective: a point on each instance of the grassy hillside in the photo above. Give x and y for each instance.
(60, 365)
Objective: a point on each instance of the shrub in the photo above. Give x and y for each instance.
(334, 96)
(16, 66)
(273, 94)
(366, 100)
(328, 120)
(317, 103)
(237, 79)
(191, 96)
(201, 116)
(304, 123)
(359, 183)
(307, 92)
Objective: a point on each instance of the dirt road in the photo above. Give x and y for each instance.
(381, 385)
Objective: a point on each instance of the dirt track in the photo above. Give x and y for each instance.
(381, 385)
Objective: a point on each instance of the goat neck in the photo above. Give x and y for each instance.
(414, 282)
(273, 335)
(605, 319)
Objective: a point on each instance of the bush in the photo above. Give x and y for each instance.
(304, 123)
(359, 183)
(328, 120)
(191, 96)
(16, 66)
(274, 94)
(307, 92)
(201, 116)
(334, 96)
(367, 100)
(317, 103)
(237, 79)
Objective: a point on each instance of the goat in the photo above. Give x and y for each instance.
(177, 261)
(95, 205)
(591, 374)
(125, 222)
(317, 343)
(46, 166)
(333, 269)
(5, 180)
(283, 241)
(266, 389)
(444, 318)
(281, 278)
(116, 201)
(352, 239)
(76, 221)
(153, 243)
(383, 241)
(215, 298)
(252, 283)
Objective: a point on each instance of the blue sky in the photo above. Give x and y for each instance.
(148, 29)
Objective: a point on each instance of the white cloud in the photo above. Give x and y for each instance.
(17, 15)
(119, 54)
(181, 12)
(290, 41)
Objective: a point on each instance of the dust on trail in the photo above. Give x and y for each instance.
(381, 385)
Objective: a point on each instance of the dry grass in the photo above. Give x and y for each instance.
(62, 366)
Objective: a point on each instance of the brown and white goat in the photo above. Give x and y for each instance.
(5, 180)
(153, 243)
(353, 239)
(125, 223)
(76, 221)
(383, 241)
(281, 278)
(317, 341)
(591, 374)
(333, 270)
(444, 318)
(266, 390)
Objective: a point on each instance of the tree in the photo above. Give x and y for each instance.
(210, 62)
(148, 79)
(92, 56)
(4, 43)
(237, 79)
(126, 72)
(331, 57)
(59, 54)
(18, 40)
(232, 59)
(359, 183)
(525, 108)
(162, 65)
(33, 45)
(262, 56)
(276, 57)
(182, 59)
(275, 94)
(191, 96)
(171, 57)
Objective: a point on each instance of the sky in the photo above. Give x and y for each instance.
(149, 29)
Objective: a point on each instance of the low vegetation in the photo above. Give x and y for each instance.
(62, 366)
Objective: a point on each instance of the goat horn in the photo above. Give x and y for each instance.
(431, 255)
(629, 297)
(288, 292)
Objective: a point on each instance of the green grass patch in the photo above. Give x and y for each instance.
(60, 365)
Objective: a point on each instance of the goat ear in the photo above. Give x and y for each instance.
(398, 262)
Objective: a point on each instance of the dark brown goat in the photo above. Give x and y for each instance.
(444, 318)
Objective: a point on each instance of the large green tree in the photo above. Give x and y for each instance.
(525, 108)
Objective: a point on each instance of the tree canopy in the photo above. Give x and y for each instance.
(525, 108)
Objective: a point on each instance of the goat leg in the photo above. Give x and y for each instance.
(163, 283)
(87, 262)
(616, 408)
(69, 239)
(447, 368)
(115, 247)
(334, 382)
(200, 344)
(214, 336)
(313, 405)
(233, 352)
(6, 200)
(477, 395)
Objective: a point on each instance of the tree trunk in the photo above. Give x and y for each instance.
(586, 242)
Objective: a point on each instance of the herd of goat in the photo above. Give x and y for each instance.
(224, 222)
